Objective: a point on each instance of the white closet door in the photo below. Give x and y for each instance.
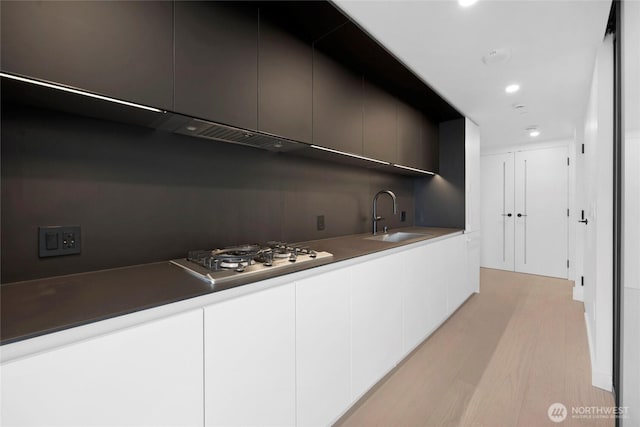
(497, 204)
(541, 203)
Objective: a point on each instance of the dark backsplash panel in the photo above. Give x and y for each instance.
(143, 195)
(440, 198)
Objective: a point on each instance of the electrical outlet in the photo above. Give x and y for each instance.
(58, 241)
(403, 216)
(320, 222)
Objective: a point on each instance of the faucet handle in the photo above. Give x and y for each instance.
(378, 218)
(385, 229)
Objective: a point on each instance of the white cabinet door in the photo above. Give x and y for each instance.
(424, 295)
(249, 350)
(454, 252)
(497, 211)
(541, 216)
(376, 321)
(147, 375)
(472, 175)
(323, 348)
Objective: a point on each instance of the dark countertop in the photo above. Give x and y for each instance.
(38, 307)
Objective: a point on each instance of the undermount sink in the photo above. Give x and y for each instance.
(399, 236)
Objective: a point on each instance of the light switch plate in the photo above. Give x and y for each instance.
(58, 240)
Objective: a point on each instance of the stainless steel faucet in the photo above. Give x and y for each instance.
(377, 218)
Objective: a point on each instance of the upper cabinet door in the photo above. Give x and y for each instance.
(429, 157)
(216, 62)
(120, 49)
(337, 105)
(285, 83)
(379, 141)
(409, 136)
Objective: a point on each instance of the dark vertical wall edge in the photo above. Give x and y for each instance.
(615, 26)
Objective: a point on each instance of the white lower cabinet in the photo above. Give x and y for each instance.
(323, 348)
(249, 366)
(424, 294)
(295, 354)
(376, 320)
(454, 258)
(148, 375)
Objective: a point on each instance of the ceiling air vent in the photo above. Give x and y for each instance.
(218, 132)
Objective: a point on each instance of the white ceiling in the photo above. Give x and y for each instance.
(553, 45)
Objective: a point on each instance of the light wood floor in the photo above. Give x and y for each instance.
(506, 355)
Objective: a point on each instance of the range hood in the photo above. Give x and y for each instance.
(219, 132)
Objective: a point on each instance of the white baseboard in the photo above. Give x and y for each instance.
(578, 293)
(599, 379)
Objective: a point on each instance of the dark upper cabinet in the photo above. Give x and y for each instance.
(284, 83)
(429, 145)
(409, 130)
(337, 105)
(120, 49)
(216, 62)
(417, 139)
(380, 136)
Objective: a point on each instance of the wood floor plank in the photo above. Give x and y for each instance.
(545, 384)
(500, 360)
(499, 394)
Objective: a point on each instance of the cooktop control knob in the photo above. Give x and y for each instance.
(293, 257)
(268, 261)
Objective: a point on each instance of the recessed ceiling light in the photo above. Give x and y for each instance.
(512, 88)
(466, 3)
(533, 130)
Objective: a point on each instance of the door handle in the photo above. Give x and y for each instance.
(509, 215)
(521, 215)
(584, 220)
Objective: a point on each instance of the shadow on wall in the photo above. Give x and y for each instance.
(440, 199)
(445, 197)
(143, 195)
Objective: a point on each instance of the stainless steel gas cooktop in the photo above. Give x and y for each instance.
(220, 265)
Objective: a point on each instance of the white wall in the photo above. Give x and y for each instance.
(597, 181)
(631, 212)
